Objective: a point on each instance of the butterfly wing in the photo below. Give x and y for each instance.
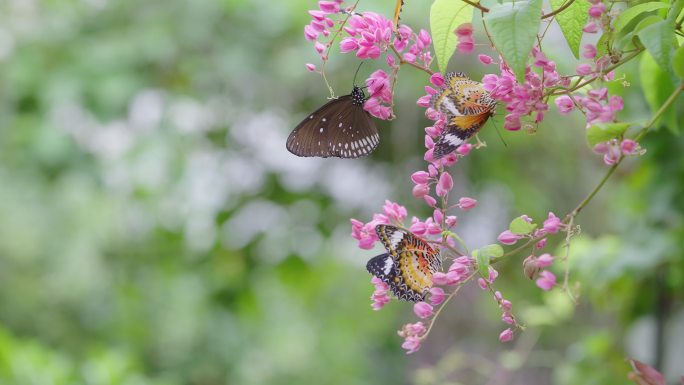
(466, 105)
(355, 134)
(413, 261)
(341, 128)
(458, 130)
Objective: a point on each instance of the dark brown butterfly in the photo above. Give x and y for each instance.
(341, 128)
(466, 105)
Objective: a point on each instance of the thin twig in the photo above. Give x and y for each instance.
(559, 10)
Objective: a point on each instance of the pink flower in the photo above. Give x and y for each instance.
(590, 27)
(451, 220)
(466, 203)
(430, 200)
(348, 44)
(310, 67)
(602, 148)
(394, 211)
(463, 30)
(612, 156)
(628, 146)
(423, 309)
(417, 227)
(589, 51)
(540, 244)
(436, 296)
(444, 185)
(506, 335)
(584, 69)
(508, 238)
(482, 283)
(616, 103)
(411, 344)
(546, 280)
(420, 190)
(552, 224)
(544, 260)
(484, 59)
(564, 104)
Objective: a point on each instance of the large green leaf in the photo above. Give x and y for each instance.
(603, 132)
(658, 38)
(571, 21)
(678, 62)
(445, 17)
(631, 13)
(513, 28)
(658, 85)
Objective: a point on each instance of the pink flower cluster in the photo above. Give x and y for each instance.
(320, 27)
(613, 150)
(458, 273)
(379, 104)
(599, 108)
(365, 234)
(380, 296)
(504, 304)
(526, 98)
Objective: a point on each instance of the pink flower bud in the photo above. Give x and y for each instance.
(438, 216)
(436, 296)
(589, 51)
(430, 200)
(546, 280)
(420, 190)
(411, 344)
(329, 6)
(545, 260)
(310, 67)
(348, 45)
(506, 335)
(418, 228)
(590, 27)
(420, 177)
(465, 47)
(552, 224)
(422, 309)
(597, 10)
(423, 101)
(437, 79)
(451, 220)
(584, 69)
(507, 318)
(508, 238)
(506, 305)
(439, 278)
(484, 59)
(464, 149)
(602, 148)
(540, 245)
(482, 283)
(445, 184)
(464, 30)
(466, 203)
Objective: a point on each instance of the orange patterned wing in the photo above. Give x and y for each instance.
(408, 265)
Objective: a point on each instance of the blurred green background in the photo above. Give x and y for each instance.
(154, 230)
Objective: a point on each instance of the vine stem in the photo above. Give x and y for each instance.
(559, 10)
(402, 61)
(443, 305)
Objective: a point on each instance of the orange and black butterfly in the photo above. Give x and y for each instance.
(466, 106)
(341, 128)
(408, 265)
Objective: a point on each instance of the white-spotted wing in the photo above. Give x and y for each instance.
(341, 128)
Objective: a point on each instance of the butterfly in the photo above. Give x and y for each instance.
(408, 265)
(341, 128)
(466, 106)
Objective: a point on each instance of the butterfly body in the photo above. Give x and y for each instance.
(340, 128)
(466, 106)
(408, 265)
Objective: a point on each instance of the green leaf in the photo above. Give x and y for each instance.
(520, 226)
(657, 86)
(571, 21)
(493, 251)
(678, 62)
(482, 263)
(445, 17)
(603, 132)
(631, 13)
(513, 28)
(658, 38)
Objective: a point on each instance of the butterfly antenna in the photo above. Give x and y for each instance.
(499, 133)
(357, 72)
